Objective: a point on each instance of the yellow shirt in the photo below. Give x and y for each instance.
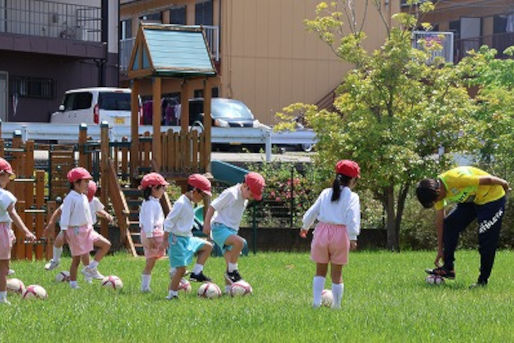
(461, 185)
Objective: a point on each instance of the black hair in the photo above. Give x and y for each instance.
(147, 192)
(340, 180)
(190, 188)
(427, 192)
(73, 184)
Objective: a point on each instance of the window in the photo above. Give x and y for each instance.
(114, 101)
(31, 87)
(126, 29)
(178, 15)
(203, 12)
(77, 101)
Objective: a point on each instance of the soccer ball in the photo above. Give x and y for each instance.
(240, 288)
(184, 285)
(209, 290)
(112, 281)
(35, 292)
(15, 285)
(327, 298)
(63, 276)
(434, 280)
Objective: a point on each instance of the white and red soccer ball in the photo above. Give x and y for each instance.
(112, 282)
(240, 288)
(34, 292)
(63, 276)
(184, 285)
(434, 279)
(327, 298)
(209, 290)
(15, 286)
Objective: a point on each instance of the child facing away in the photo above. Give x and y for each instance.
(151, 220)
(76, 221)
(8, 215)
(338, 212)
(97, 209)
(224, 216)
(179, 238)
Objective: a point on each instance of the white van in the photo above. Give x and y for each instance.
(94, 105)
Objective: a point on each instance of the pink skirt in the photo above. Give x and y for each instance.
(7, 239)
(158, 237)
(80, 239)
(330, 244)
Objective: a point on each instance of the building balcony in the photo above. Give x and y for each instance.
(498, 41)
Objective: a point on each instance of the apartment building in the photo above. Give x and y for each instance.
(262, 51)
(48, 47)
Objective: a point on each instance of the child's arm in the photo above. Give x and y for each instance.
(493, 180)
(207, 221)
(165, 243)
(439, 223)
(19, 223)
(104, 214)
(50, 226)
(309, 217)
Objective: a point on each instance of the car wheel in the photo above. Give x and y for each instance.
(307, 147)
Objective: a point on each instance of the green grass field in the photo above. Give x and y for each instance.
(386, 299)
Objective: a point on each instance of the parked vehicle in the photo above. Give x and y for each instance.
(94, 105)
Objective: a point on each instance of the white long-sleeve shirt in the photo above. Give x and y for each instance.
(75, 211)
(181, 218)
(6, 199)
(229, 207)
(345, 211)
(151, 216)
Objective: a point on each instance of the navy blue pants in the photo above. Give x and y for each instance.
(489, 217)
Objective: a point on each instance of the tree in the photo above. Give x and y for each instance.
(399, 117)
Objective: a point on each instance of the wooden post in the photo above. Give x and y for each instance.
(27, 170)
(156, 122)
(207, 125)
(20, 245)
(82, 147)
(134, 128)
(40, 201)
(184, 125)
(124, 160)
(104, 167)
(51, 206)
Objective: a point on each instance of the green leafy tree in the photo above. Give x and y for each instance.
(399, 117)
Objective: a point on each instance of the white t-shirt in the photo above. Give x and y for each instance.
(229, 207)
(95, 205)
(75, 211)
(345, 211)
(6, 199)
(181, 217)
(151, 216)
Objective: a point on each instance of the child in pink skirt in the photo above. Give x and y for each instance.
(76, 220)
(8, 215)
(151, 219)
(338, 212)
(103, 245)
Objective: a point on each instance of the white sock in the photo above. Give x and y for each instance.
(227, 289)
(198, 268)
(337, 292)
(232, 267)
(145, 281)
(318, 284)
(172, 293)
(73, 284)
(93, 264)
(3, 295)
(57, 253)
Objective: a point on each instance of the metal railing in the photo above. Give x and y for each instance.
(51, 19)
(498, 41)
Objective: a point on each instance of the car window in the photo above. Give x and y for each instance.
(114, 101)
(230, 109)
(77, 101)
(68, 101)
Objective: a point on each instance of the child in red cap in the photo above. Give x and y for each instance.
(100, 242)
(8, 215)
(151, 218)
(225, 214)
(178, 236)
(338, 211)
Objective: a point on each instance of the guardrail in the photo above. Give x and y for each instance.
(70, 132)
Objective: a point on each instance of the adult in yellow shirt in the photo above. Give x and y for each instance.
(478, 195)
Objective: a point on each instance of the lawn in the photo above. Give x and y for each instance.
(386, 299)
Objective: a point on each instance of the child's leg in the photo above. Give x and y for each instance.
(237, 243)
(75, 261)
(203, 254)
(104, 245)
(337, 284)
(146, 277)
(4, 269)
(319, 283)
(57, 251)
(175, 280)
(227, 281)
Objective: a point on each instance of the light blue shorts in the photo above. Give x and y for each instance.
(220, 233)
(182, 249)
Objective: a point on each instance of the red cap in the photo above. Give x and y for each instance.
(153, 179)
(256, 183)
(348, 168)
(5, 167)
(78, 173)
(200, 182)
(91, 190)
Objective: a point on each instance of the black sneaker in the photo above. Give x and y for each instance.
(479, 284)
(200, 277)
(233, 277)
(441, 271)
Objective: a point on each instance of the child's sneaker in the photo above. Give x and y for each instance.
(10, 272)
(200, 277)
(95, 273)
(52, 264)
(441, 271)
(172, 297)
(5, 301)
(478, 284)
(233, 276)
